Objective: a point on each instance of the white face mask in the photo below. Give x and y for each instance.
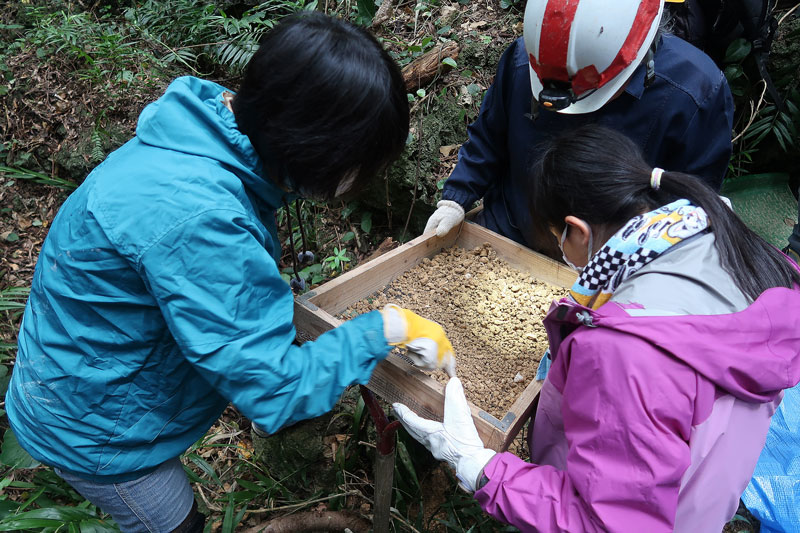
(588, 248)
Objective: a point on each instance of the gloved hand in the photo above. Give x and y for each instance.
(427, 344)
(455, 440)
(448, 215)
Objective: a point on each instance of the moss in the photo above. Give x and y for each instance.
(784, 53)
(298, 455)
(79, 158)
(442, 125)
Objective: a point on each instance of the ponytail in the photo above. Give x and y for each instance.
(600, 176)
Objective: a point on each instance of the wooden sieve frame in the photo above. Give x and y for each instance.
(394, 379)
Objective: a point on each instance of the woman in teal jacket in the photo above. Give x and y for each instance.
(157, 298)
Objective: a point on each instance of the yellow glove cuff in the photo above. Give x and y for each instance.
(418, 327)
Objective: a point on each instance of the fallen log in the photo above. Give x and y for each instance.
(426, 67)
(332, 521)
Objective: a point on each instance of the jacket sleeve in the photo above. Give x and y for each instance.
(627, 422)
(483, 158)
(705, 145)
(231, 314)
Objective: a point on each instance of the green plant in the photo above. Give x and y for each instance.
(365, 12)
(404, 52)
(336, 262)
(780, 124)
(195, 33)
(100, 48)
(464, 515)
(46, 503)
(37, 177)
(766, 122)
(312, 274)
(12, 303)
(13, 299)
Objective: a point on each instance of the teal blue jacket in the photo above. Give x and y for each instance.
(157, 299)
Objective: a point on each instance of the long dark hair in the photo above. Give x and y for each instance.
(322, 101)
(599, 175)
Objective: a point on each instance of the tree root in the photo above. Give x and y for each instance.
(315, 521)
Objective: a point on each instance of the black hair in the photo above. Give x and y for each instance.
(600, 175)
(322, 101)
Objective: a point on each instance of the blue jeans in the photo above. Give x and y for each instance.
(155, 503)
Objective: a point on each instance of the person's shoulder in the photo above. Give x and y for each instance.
(517, 53)
(688, 69)
(139, 183)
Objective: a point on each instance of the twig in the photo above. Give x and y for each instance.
(403, 521)
(753, 112)
(359, 246)
(210, 506)
(780, 21)
(388, 201)
(416, 179)
(383, 13)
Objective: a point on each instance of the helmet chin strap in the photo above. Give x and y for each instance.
(650, 64)
(534, 114)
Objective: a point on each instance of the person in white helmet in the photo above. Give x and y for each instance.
(580, 62)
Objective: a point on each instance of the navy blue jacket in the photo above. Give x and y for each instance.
(682, 122)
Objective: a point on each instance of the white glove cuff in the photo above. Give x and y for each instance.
(453, 205)
(470, 467)
(394, 325)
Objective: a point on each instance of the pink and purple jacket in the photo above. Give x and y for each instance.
(656, 406)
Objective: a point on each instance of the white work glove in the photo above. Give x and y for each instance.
(455, 440)
(427, 344)
(447, 216)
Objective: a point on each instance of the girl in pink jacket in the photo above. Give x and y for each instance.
(668, 358)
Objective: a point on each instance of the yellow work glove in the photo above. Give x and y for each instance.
(428, 346)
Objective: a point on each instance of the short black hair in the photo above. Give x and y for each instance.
(322, 101)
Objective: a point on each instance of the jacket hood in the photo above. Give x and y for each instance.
(686, 304)
(191, 117)
(752, 354)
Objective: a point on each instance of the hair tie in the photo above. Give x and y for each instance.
(655, 178)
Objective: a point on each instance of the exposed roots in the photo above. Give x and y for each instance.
(315, 521)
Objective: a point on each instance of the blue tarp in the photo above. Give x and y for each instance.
(773, 495)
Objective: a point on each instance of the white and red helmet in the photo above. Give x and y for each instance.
(581, 52)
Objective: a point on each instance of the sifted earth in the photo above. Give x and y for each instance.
(491, 312)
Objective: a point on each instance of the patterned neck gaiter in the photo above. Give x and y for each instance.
(639, 241)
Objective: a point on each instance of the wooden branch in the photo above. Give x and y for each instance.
(426, 67)
(383, 13)
(315, 521)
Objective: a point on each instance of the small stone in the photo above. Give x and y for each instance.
(519, 377)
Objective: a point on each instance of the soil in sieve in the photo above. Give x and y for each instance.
(491, 312)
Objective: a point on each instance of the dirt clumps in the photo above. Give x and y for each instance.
(491, 312)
